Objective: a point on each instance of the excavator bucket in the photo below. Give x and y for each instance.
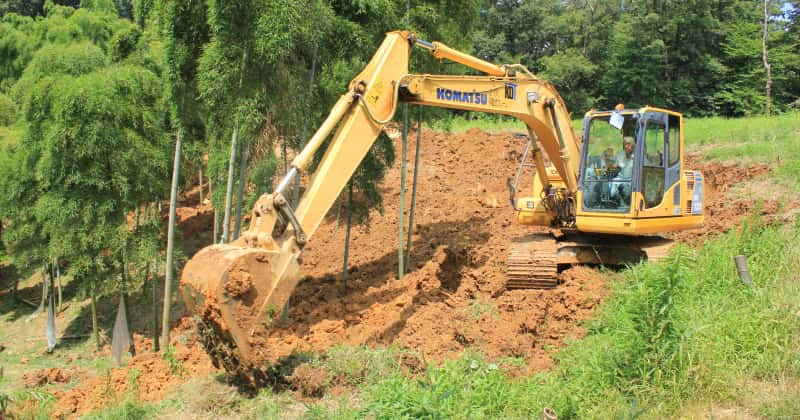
(235, 288)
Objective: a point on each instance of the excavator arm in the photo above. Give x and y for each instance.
(236, 288)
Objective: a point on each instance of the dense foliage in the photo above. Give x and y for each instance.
(701, 57)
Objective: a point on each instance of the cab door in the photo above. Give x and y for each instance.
(656, 174)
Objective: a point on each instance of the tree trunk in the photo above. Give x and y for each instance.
(240, 192)
(226, 221)
(215, 233)
(44, 289)
(14, 288)
(154, 286)
(767, 66)
(154, 281)
(124, 297)
(51, 313)
(95, 330)
(214, 240)
(173, 201)
(58, 276)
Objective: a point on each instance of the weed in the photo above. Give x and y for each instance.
(29, 404)
(175, 366)
(479, 307)
(358, 365)
(128, 409)
(133, 381)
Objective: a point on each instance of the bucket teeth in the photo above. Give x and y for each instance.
(532, 263)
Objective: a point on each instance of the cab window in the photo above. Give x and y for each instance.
(608, 165)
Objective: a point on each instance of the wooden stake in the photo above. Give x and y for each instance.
(744, 271)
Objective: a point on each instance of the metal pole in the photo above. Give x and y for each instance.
(414, 190)
(401, 219)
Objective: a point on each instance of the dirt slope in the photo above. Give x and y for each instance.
(453, 297)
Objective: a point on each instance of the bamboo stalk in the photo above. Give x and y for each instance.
(240, 192)
(173, 201)
(347, 235)
(414, 190)
(95, 330)
(200, 182)
(226, 221)
(58, 276)
(401, 219)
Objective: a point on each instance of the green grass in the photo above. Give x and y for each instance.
(771, 141)
(490, 123)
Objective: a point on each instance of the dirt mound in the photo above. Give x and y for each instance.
(46, 377)
(453, 296)
(309, 381)
(148, 376)
(730, 196)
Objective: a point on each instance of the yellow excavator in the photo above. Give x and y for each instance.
(600, 205)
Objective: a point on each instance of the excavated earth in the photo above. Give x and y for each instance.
(453, 296)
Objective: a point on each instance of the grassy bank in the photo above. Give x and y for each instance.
(678, 335)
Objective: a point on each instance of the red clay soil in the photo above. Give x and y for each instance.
(453, 297)
(49, 376)
(309, 381)
(725, 206)
(147, 376)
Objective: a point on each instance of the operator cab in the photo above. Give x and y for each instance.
(631, 173)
